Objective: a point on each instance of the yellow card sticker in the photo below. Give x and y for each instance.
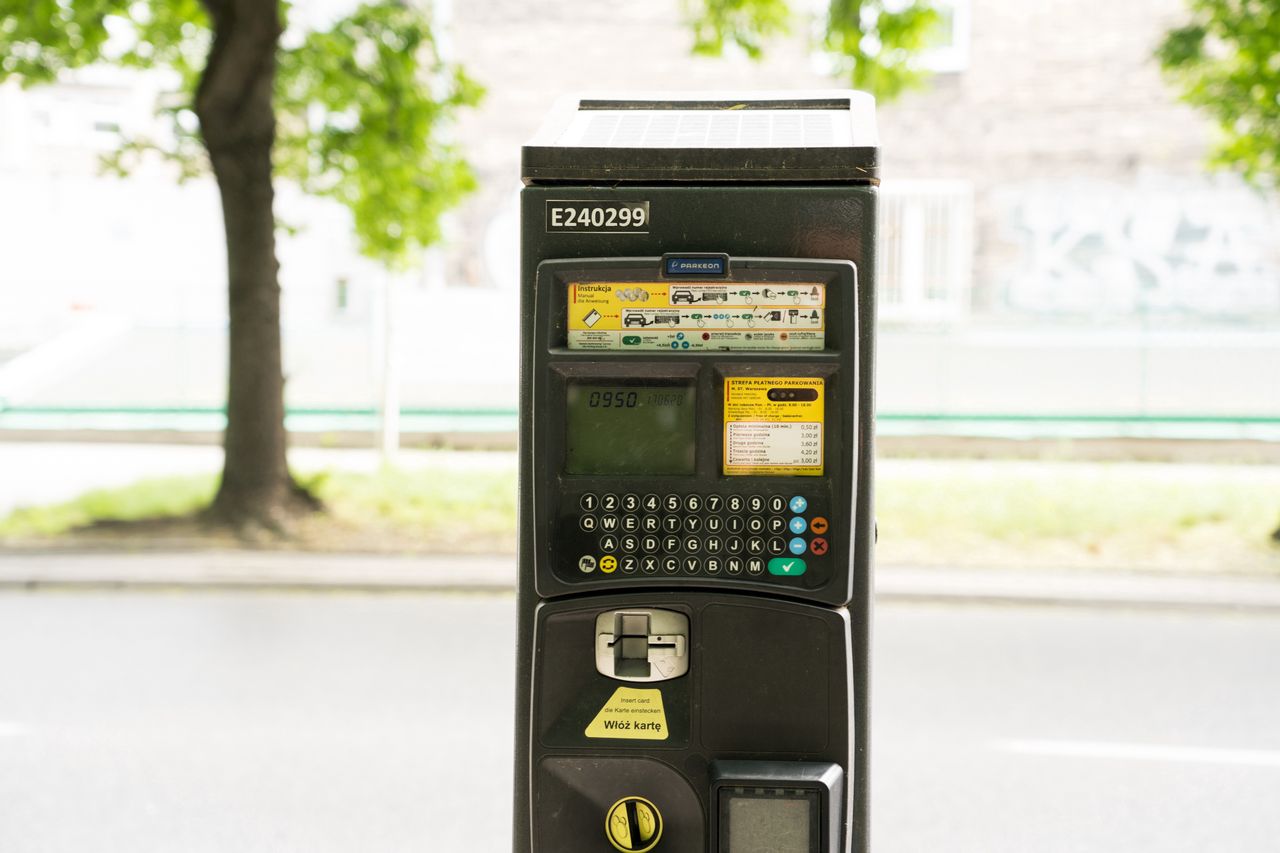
(679, 316)
(773, 426)
(631, 714)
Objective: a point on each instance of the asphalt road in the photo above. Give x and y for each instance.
(341, 722)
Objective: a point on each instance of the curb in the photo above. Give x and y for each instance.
(293, 571)
(1081, 588)
(264, 570)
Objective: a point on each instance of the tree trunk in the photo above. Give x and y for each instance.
(237, 121)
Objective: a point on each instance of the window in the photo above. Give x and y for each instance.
(950, 49)
(924, 258)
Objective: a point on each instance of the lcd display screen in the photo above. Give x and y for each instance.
(769, 825)
(642, 428)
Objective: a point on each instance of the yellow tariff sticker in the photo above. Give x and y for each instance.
(631, 714)
(680, 317)
(773, 426)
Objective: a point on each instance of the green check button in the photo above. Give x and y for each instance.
(786, 566)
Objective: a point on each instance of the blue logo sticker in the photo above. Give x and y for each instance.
(696, 266)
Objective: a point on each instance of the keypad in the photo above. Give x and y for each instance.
(764, 536)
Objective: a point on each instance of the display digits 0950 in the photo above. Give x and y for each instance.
(612, 400)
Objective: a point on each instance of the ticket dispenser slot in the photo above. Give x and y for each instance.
(696, 442)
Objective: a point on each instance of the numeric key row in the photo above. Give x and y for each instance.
(650, 503)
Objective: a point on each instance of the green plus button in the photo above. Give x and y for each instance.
(786, 566)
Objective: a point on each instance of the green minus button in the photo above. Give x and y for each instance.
(786, 566)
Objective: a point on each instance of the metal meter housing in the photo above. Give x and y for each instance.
(697, 308)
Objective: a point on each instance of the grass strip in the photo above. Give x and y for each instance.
(964, 513)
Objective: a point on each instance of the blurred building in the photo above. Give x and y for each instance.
(1052, 246)
(1091, 200)
(1051, 242)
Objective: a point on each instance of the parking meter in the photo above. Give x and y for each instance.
(696, 443)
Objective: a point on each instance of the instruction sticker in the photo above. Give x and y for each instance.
(678, 316)
(773, 426)
(631, 714)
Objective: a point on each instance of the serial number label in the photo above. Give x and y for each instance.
(596, 217)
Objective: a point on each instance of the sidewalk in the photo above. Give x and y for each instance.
(223, 570)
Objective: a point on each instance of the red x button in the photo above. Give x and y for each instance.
(818, 546)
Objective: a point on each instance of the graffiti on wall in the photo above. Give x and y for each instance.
(1194, 249)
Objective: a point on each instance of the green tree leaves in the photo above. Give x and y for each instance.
(41, 38)
(363, 106)
(873, 44)
(364, 109)
(744, 23)
(1226, 61)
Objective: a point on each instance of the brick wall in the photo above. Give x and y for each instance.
(1063, 102)
(1053, 88)
(1060, 120)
